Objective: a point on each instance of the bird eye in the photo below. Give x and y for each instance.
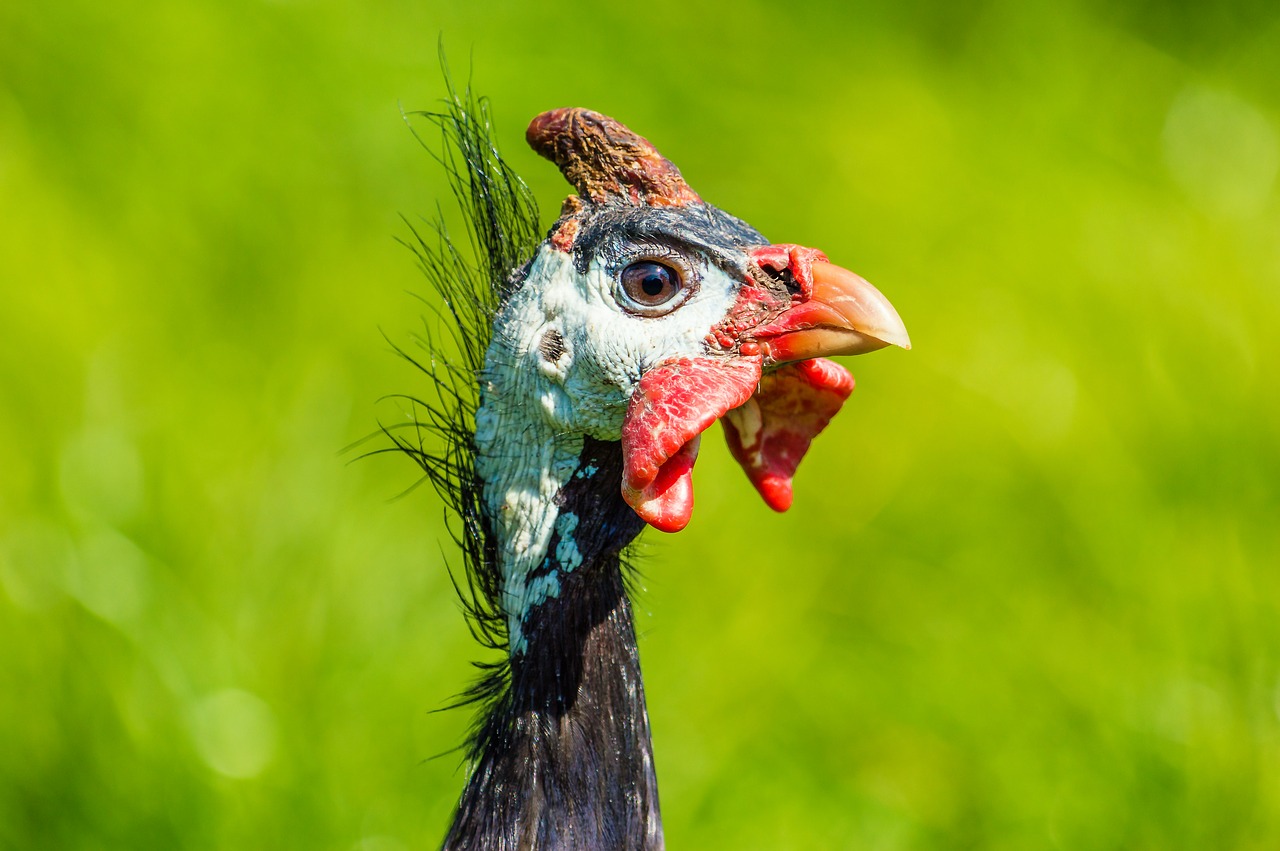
(650, 287)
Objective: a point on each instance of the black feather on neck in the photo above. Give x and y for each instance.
(565, 760)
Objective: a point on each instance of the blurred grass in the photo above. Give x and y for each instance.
(1027, 597)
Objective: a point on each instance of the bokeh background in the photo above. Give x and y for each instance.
(1028, 594)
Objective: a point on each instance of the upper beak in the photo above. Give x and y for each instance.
(844, 315)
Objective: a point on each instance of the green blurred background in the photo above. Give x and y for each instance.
(1028, 594)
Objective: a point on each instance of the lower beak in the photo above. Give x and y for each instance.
(844, 315)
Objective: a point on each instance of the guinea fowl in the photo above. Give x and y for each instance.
(592, 361)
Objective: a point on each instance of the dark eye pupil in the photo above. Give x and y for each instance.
(653, 284)
(650, 284)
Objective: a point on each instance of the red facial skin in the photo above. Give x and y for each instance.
(754, 306)
(770, 419)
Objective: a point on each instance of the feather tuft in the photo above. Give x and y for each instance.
(502, 232)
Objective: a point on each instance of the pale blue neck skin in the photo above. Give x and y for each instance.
(527, 447)
(522, 477)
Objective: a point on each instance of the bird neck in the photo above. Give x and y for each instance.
(564, 760)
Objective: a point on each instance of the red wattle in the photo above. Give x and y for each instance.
(770, 433)
(673, 403)
(666, 504)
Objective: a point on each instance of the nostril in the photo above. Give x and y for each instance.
(788, 279)
(789, 264)
(775, 278)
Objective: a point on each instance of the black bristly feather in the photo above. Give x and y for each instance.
(500, 216)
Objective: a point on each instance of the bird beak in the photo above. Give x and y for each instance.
(843, 315)
(834, 312)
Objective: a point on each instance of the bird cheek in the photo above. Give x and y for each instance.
(752, 307)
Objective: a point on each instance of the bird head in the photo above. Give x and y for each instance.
(647, 315)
